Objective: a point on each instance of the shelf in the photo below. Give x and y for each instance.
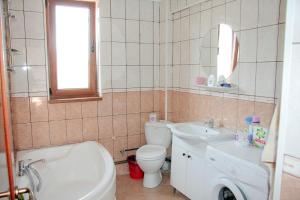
(218, 88)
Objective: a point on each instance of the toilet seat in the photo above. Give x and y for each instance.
(151, 152)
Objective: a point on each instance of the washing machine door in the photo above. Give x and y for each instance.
(224, 189)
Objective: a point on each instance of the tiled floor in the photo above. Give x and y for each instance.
(129, 189)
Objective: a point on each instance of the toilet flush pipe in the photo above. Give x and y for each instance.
(167, 59)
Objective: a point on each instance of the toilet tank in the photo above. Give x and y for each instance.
(158, 133)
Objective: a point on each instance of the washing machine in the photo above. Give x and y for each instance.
(235, 172)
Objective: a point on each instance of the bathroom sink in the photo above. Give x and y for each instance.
(196, 132)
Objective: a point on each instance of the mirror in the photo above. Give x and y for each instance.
(223, 47)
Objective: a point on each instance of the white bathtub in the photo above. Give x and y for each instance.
(82, 171)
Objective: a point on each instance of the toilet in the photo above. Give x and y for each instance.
(151, 156)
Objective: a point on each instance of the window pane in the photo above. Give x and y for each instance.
(72, 47)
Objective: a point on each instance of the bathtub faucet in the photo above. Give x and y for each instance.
(27, 169)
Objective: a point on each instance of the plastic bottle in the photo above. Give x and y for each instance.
(255, 122)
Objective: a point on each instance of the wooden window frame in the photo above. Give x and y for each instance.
(56, 93)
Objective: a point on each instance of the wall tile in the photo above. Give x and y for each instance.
(245, 108)
(267, 43)
(147, 101)
(146, 32)
(133, 54)
(17, 25)
(132, 31)
(118, 8)
(105, 8)
(133, 77)
(119, 77)
(120, 144)
(73, 110)
(133, 124)
(58, 132)
(37, 79)
(16, 5)
(105, 105)
(119, 103)
(34, 25)
(105, 127)
(118, 30)
(35, 52)
(89, 109)
(233, 14)
(247, 78)
(146, 10)
(34, 5)
(146, 54)
(19, 81)
(39, 109)
(105, 29)
(249, 14)
(218, 15)
(248, 47)
(40, 134)
(90, 128)
(134, 141)
(74, 130)
(147, 76)
(133, 102)
(132, 9)
(105, 53)
(265, 79)
(57, 111)
(108, 144)
(120, 125)
(268, 12)
(265, 111)
(20, 110)
(18, 58)
(22, 136)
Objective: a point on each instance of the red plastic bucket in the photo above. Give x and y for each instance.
(134, 169)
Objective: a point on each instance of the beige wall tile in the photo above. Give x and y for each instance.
(133, 102)
(143, 139)
(58, 132)
(134, 124)
(120, 125)
(40, 134)
(245, 108)
(144, 119)
(122, 169)
(39, 109)
(22, 136)
(230, 113)
(20, 110)
(147, 101)
(73, 110)
(105, 105)
(134, 141)
(108, 144)
(216, 109)
(265, 111)
(90, 128)
(89, 109)
(57, 111)
(105, 127)
(119, 103)
(120, 144)
(156, 100)
(74, 130)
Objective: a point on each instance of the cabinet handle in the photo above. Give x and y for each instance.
(189, 156)
(183, 154)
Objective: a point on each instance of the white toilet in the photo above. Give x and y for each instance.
(151, 156)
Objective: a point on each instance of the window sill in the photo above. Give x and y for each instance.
(79, 99)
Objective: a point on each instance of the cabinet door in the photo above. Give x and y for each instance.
(194, 176)
(178, 168)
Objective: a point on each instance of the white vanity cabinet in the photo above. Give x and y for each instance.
(187, 169)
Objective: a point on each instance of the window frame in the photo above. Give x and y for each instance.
(56, 93)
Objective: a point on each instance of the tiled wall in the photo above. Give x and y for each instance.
(259, 26)
(129, 60)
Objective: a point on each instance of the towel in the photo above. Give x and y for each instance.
(270, 149)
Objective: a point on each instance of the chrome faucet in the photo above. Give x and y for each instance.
(210, 123)
(26, 168)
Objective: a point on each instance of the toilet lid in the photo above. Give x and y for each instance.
(151, 152)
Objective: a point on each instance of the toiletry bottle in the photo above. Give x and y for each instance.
(211, 80)
(248, 121)
(255, 122)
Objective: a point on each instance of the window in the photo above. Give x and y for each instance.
(71, 48)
